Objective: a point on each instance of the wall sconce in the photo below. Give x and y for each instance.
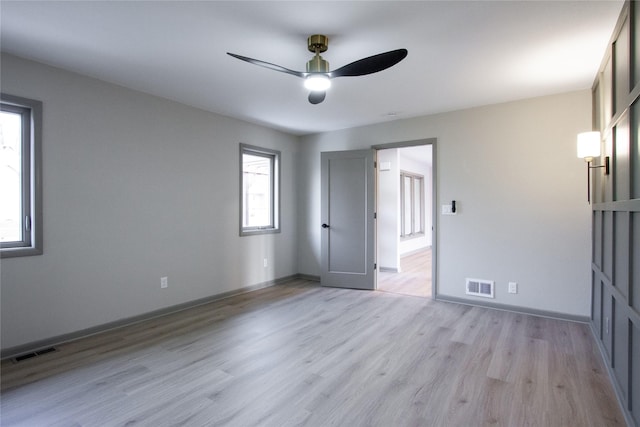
(588, 148)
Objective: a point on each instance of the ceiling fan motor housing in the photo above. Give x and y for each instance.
(317, 65)
(316, 44)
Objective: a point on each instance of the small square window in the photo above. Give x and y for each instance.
(260, 190)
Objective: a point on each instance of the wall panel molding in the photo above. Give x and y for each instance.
(615, 287)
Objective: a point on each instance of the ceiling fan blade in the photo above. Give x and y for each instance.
(316, 97)
(268, 65)
(371, 64)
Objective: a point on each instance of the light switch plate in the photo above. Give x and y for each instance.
(447, 210)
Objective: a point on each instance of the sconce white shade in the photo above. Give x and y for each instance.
(588, 145)
(317, 83)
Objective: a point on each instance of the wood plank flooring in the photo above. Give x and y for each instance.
(303, 355)
(414, 277)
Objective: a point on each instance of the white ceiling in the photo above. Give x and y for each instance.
(461, 54)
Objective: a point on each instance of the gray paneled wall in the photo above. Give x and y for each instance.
(615, 312)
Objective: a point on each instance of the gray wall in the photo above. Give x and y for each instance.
(135, 188)
(512, 168)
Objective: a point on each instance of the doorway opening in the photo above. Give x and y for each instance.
(405, 237)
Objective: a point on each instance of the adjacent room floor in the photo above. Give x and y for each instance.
(300, 354)
(414, 277)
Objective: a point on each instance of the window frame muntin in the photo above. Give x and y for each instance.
(275, 155)
(31, 186)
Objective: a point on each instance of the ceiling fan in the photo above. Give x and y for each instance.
(318, 77)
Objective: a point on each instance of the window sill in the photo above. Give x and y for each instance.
(18, 252)
(255, 231)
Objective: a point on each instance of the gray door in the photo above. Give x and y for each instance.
(348, 189)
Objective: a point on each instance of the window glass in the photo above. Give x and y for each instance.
(411, 205)
(256, 171)
(20, 187)
(417, 205)
(10, 177)
(407, 205)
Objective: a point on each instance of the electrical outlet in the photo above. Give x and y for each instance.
(513, 288)
(266, 263)
(164, 282)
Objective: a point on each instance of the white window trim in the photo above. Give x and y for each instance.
(275, 183)
(32, 189)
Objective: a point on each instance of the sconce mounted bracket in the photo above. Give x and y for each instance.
(605, 166)
(589, 167)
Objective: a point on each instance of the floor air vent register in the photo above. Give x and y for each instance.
(26, 356)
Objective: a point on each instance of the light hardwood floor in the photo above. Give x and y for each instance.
(414, 277)
(302, 355)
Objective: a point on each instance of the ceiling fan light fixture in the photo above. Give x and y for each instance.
(317, 82)
(317, 78)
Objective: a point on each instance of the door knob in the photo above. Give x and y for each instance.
(325, 225)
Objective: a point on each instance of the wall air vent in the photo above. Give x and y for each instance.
(480, 288)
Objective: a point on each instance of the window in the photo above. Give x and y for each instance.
(260, 190)
(411, 205)
(20, 179)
